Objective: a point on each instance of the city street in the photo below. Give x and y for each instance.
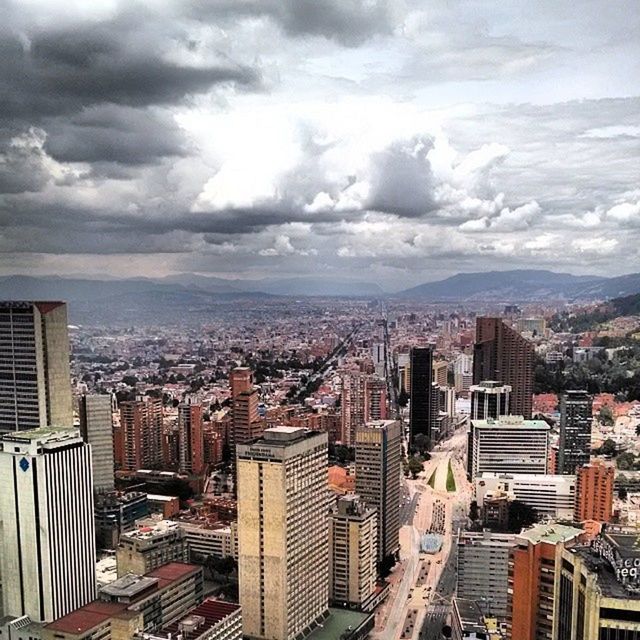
(422, 584)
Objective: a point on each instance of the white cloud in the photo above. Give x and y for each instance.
(599, 245)
(626, 212)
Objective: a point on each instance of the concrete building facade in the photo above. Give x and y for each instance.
(96, 427)
(574, 449)
(594, 492)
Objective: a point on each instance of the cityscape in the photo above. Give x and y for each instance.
(319, 320)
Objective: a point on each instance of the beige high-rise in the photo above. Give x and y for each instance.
(378, 468)
(283, 533)
(35, 383)
(353, 552)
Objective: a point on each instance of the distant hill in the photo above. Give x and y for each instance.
(523, 285)
(614, 308)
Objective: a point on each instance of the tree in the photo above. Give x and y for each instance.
(622, 492)
(626, 461)
(422, 444)
(605, 416)
(608, 448)
(474, 512)
(403, 397)
(415, 466)
(520, 516)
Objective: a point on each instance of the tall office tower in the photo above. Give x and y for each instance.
(353, 553)
(283, 539)
(489, 399)
(96, 427)
(191, 438)
(440, 368)
(377, 354)
(47, 539)
(375, 405)
(404, 371)
(483, 569)
(532, 571)
(596, 590)
(421, 392)
(574, 449)
(353, 403)
(141, 427)
(378, 469)
(501, 353)
(508, 445)
(594, 492)
(247, 425)
(35, 383)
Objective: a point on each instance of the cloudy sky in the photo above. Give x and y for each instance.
(396, 141)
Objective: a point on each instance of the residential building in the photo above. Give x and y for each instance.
(501, 353)
(594, 492)
(353, 553)
(133, 604)
(532, 572)
(147, 548)
(420, 410)
(47, 546)
(96, 427)
(483, 569)
(35, 383)
(353, 405)
(247, 424)
(574, 448)
(211, 620)
(552, 497)
(141, 428)
(440, 370)
(283, 533)
(375, 399)
(378, 469)
(489, 399)
(191, 438)
(508, 445)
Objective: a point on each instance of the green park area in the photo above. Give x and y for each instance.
(451, 481)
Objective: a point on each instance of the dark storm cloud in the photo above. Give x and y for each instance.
(115, 134)
(349, 22)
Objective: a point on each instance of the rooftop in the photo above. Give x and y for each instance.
(129, 586)
(509, 422)
(338, 622)
(44, 434)
(212, 610)
(551, 533)
(470, 615)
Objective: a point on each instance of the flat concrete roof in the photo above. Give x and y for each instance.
(339, 621)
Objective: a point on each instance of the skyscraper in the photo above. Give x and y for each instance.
(35, 384)
(375, 399)
(141, 434)
(247, 425)
(489, 399)
(353, 552)
(47, 541)
(283, 533)
(502, 354)
(191, 438)
(96, 427)
(574, 449)
(353, 405)
(420, 418)
(378, 468)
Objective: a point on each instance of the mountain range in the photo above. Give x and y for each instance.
(137, 299)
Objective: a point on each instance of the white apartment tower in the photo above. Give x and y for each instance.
(96, 427)
(283, 533)
(47, 532)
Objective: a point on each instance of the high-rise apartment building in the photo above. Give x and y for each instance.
(247, 424)
(353, 552)
(508, 445)
(141, 434)
(532, 572)
(283, 533)
(353, 405)
(378, 469)
(574, 449)
(440, 371)
(96, 427)
(420, 410)
(47, 541)
(35, 383)
(483, 569)
(594, 492)
(191, 438)
(489, 399)
(375, 399)
(501, 353)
